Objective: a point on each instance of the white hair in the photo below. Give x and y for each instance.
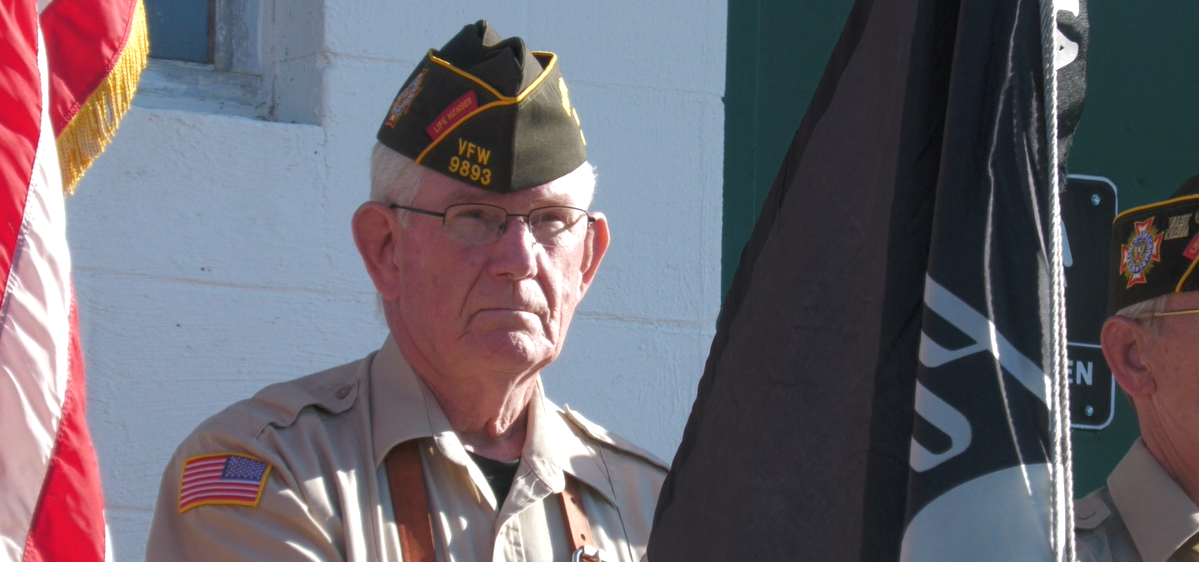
(582, 180)
(397, 179)
(1137, 311)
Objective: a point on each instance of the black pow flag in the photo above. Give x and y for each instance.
(886, 378)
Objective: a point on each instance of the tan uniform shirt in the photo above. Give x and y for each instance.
(326, 495)
(1141, 516)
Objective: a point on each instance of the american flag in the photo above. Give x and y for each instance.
(223, 479)
(68, 70)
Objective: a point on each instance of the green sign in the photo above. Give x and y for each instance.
(1088, 207)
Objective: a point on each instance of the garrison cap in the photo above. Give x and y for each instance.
(1155, 249)
(488, 112)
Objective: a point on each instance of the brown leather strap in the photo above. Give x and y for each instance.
(411, 507)
(409, 502)
(576, 520)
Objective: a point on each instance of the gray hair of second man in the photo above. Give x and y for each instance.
(1138, 310)
(397, 179)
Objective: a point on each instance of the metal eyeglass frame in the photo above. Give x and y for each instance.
(525, 216)
(1181, 312)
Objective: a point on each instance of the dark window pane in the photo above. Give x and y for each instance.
(179, 29)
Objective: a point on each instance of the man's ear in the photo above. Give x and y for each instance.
(376, 231)
(1124, 343)
(595, 246)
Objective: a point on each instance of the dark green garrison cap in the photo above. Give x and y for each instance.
(488, 112)
(1155, 249)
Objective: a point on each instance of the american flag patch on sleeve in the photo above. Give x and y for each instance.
(222, 479)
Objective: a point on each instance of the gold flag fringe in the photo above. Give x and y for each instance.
(92, 128)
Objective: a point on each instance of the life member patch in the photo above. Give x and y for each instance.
(1144, 248)
(1192, 249)
(404, 99)
(452, 114)
(222, 479)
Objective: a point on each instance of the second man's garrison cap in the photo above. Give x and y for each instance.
(1155, 249)
(489, 112)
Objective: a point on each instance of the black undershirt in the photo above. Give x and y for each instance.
(499, 475)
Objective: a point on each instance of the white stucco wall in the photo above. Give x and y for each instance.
(213, 254)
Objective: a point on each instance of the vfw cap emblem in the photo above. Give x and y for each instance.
(404, 99)
(1144, 248)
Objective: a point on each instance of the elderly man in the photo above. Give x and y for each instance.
(441, 445)
(1147, 512)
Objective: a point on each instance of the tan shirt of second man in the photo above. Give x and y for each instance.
(1142, 515)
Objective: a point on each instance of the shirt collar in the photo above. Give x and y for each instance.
(403, 408)
(553, 448)
(1158, 514)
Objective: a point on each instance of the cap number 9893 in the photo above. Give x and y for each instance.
(474, 172)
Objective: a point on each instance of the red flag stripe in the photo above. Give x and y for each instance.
(201, 475)
(97, 27)
(218, 486)
(53, 507)
(214, 461)
(69, 524)
(242, 492)
(216, 482)
(20, 111)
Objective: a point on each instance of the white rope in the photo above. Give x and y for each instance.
(1062, 509)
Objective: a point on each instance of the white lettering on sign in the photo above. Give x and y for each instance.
(1067, 255)
(1081, 372)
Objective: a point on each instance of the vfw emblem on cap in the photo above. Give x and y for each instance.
(1144, 248)
(404, 99)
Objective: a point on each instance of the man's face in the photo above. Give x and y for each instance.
(464, 311)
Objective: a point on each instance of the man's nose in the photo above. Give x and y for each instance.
(514, 255)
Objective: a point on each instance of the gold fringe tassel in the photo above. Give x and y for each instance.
(92, 128)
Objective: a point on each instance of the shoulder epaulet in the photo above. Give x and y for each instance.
(334, 391)
(1090, 512)
(611, 439)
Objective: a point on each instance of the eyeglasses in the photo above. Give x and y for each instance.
(477, 224)
(1148, 315)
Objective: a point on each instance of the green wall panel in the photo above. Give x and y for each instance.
(1140, 127)
(776, 54)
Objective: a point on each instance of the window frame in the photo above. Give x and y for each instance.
(247, 37)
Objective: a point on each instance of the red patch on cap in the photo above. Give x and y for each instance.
(452, 115)
(1192, 249)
